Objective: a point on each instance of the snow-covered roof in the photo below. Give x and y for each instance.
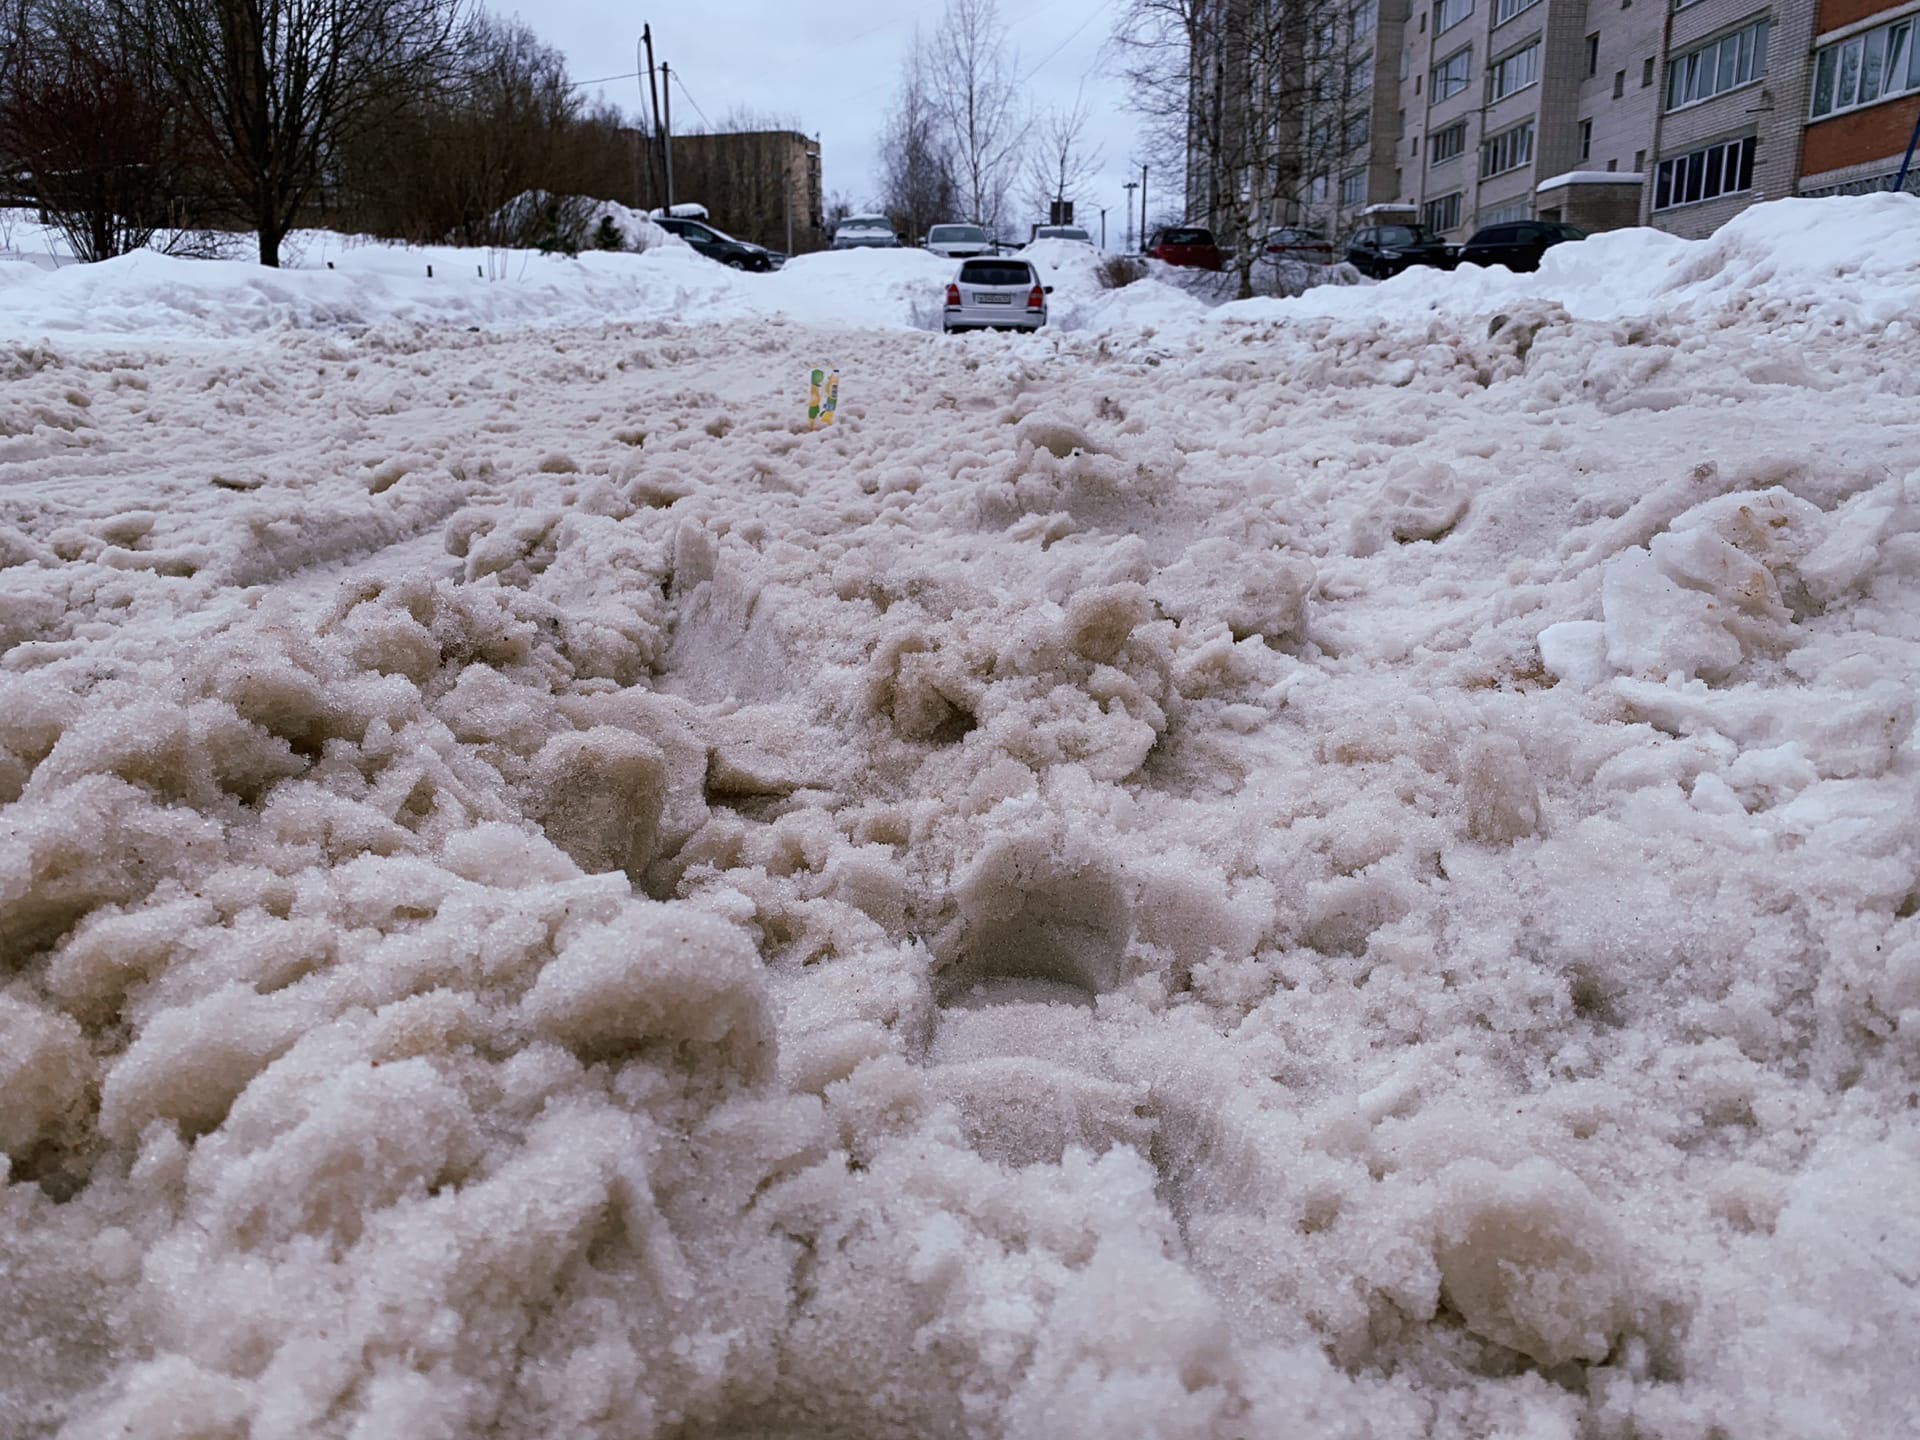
(1592, 177)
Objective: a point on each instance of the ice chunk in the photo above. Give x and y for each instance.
(1531, 1260)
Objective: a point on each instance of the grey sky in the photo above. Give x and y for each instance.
(832, 69)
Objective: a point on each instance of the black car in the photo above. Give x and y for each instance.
(1517, 245)
(718, 245)
(1383, 250)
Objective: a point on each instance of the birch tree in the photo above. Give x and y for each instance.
(974, 89)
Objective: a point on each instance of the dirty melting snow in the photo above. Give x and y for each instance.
(1336, 875)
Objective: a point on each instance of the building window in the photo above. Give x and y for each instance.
(1639, 162)
(1449, 13)
(1451, 74)
(1516, 72)
(1593, 56)
(1508, 150)
(1319, 135)
(1357, 128)
(1406, 60)
(1619, 83)
(1586, 139)
(1646, 72)
(1715, 68)
(1723, 169)
(1505, 10)
(1865, 69)
(1447, 144)
(1319, 190)
(1365, 14)
(1353, 189)
(1612, 165)
(1508, 213)
(1360, 75)
(1442, 214)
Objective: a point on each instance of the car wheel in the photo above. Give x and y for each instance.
(733, 263)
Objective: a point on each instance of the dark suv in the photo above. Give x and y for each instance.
(718, 245)
(1383, 250)
(1517, 245)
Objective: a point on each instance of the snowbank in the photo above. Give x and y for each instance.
(1342, 876)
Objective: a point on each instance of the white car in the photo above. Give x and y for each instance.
(865, 232)
(1063, 232)
(995, 294)
(959, 242)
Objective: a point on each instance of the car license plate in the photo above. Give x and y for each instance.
(984, 299)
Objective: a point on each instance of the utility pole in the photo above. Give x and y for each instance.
(653, 88)
(666, 121)
(1130, 187)
(1103, 227)
(1143, 204)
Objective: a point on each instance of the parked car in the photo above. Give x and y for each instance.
(865, 232)
(1517, 245)
(959, 242)
(996, 294)
(1189, 245)
(1062, 232)
(1300, 243)
(718, 245)
(1383, 250)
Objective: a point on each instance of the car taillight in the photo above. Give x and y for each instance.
(1036, 299)
(953, 297)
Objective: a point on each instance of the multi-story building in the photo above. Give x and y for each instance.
(1864, 96)
(759, 185)
(1671, 113)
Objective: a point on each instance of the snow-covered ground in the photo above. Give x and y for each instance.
(1332, 868)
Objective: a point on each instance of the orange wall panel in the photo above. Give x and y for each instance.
(1858, 136)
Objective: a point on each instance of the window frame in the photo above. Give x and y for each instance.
(1691, 71)
(1494, 71)
(1511, 149)
(1437, 152)
(1690, 175)
(1430, 212)
(1465, 56)
(1892, 42)
(1505, 10)
(1441, 25)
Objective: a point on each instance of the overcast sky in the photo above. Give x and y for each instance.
(832, 70)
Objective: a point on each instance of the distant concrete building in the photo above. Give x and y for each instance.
(757, 185)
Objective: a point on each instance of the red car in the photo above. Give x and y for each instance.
(1188, 245)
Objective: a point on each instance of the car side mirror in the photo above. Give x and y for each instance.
(1047, 289)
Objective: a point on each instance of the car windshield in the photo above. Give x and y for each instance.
(1294, 237)
(957, 234)
(867, 222)
(996, 272)
(1405, 235)
(1187, 237)
(1062, 232)
(1572, 232)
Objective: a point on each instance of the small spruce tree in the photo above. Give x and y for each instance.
(608, 236)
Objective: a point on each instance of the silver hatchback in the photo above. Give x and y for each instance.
(996, 295)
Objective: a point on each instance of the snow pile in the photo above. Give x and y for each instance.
(1346, 878)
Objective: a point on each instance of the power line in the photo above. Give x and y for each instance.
(1072, 35)
(606, 80)
(691, 101)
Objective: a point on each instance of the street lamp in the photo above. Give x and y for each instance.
(1130, 187)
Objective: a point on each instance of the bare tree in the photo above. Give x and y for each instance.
(918, 186)
(281, 87)
(93, 129)
(974, 91)
(1246, 98)
(1059, 166)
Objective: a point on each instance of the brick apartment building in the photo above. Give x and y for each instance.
(1671, 113)
(1864, 96)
